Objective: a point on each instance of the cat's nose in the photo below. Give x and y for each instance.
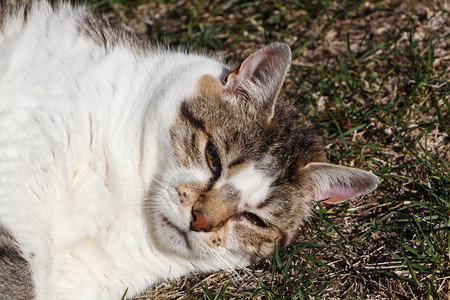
(199, 222)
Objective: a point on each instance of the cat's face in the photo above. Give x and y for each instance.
(241, 186)
(241, 176)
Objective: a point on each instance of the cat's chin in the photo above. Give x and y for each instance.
(173, 238)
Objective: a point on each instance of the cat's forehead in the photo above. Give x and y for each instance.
(225, 114)
(209, 86)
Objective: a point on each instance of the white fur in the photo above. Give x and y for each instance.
(83, 133)
(253, 185)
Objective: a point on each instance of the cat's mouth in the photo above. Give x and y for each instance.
(180, 234)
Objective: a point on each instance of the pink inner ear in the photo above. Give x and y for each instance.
(232, 82)
(333, 184)
(250, 65)
(336, 195)
(245, 70)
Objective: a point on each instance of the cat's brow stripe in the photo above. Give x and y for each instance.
(265, 202)
(236, 162)
(190, 118)
(193, 142)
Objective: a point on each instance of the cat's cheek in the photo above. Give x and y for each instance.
(172, 237)
(184, 213)
(216, 240)
(255, 241)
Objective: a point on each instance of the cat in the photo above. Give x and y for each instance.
(124, 164)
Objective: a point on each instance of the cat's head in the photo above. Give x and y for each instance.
(246, 168)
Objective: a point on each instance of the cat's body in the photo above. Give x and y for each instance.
(121, 166)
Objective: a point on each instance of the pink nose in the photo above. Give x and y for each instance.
(199, 222)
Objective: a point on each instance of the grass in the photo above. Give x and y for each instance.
(375, 76)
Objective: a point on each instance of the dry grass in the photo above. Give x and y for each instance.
(375, 75)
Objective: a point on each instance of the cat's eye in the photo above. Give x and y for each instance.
(213, 159)
(254, 219)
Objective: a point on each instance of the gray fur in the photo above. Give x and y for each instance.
(15, 272)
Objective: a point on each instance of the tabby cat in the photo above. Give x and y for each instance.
(123, 164)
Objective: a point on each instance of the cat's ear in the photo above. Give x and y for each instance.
(331, 184)
(259, 78)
